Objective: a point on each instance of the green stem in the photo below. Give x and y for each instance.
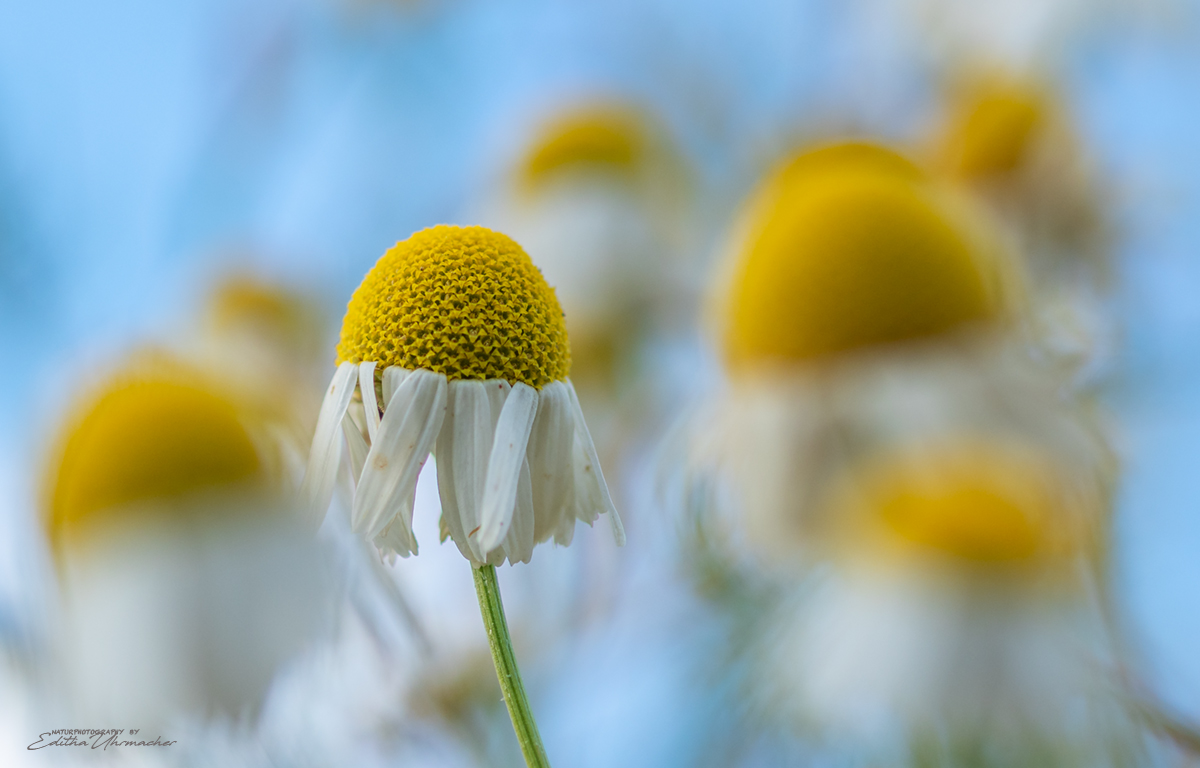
(519, 711)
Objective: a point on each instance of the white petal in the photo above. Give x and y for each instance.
(393, 596)
(497, 395)
(518, 544)
(504, 464)
(357, 445)
(444, 447)
(406, 435)
(565, 531)
(366, 385)
(326, 451)
(393, 377)
(550, 461)
(592, 497)
(467, 449)
(396, 537)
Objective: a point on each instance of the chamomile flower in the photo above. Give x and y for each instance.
(186, 580)
(455, 345)
(960, 613)
(886, 444)
(846, 265)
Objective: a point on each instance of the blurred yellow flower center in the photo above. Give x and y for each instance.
(846, 157)
(992, 132)
(611, 138)
(842, 257)
(978, 502)
(241, 301)
(465, 302)
(144, 441)
(287, 320)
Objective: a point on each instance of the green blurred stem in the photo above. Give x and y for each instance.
(519, 711)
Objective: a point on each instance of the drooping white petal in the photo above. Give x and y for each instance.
(551, 443)
(592, 497)
(518, 544)
(464, 448)
(393, 377)
(357, 445)
(504, 464)
(497, 395)
(565, 531)
(366, 385)
(406, 435)
(450, 524)
(396, 537)
(326, 452)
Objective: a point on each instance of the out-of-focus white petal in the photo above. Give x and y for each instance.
(551, 443)
(591, 492)
(326, 452)
(504, 464)
(406, 435)
(366, 385)
(357, 445)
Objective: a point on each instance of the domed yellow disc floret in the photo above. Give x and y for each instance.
(847, 157)
(465, 302)
(976, 501)
(146, 440)
(607, 138)
(841, 257)
(992, 131)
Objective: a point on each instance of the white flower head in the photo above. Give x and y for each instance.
(456, 347)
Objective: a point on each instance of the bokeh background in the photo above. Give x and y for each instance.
(148, 148)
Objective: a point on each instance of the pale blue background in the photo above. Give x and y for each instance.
(141, 140)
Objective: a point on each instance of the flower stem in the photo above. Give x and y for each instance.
(505, 661)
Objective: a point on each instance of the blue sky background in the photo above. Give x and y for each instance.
(143, 143)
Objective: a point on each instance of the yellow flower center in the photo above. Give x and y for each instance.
(244, 303)
(147, 440)
(844, 254)
(465, 302)
(980, 502)
(611, 139)
(993, 130)
(844, 157)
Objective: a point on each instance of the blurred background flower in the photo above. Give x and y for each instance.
(186, 579)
